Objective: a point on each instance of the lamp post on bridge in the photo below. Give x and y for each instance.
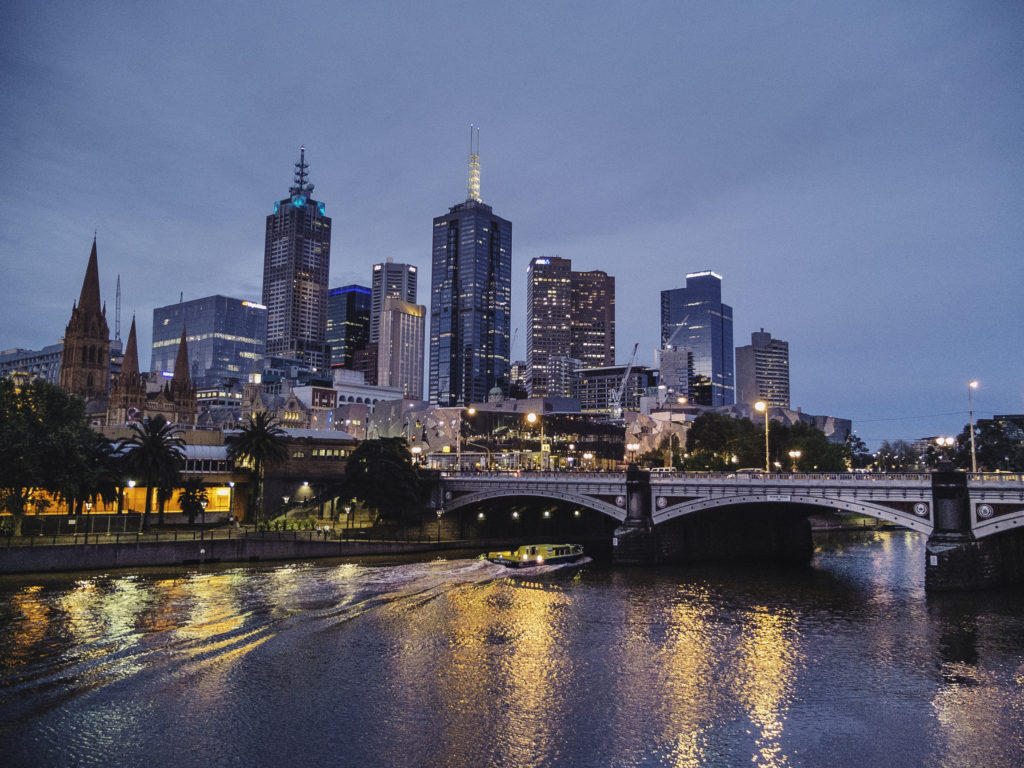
(760, 406)
(970, 410)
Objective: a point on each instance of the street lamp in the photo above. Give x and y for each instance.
(970, 410)
(760, 406)
(533, 418)
(416, 451)
(632, 448)
(795, 456)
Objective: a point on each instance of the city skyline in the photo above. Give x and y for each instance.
(856, 177)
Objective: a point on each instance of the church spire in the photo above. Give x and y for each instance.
(182, 381)
(89, 300)
(131, 353)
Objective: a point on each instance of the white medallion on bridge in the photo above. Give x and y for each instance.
(661, 502)
(985, 511)
(921, 509)
(620, 501)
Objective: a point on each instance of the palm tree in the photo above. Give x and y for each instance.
(155, 456)
(193, 498)
(259, 443)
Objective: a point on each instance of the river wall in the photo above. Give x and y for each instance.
(83, 557)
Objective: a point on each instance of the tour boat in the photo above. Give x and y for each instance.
(536, 554)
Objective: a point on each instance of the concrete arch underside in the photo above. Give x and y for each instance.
(589, 502)
(919, 524)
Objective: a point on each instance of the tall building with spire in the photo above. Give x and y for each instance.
(296, 265)
(85, 362)
(470, 298)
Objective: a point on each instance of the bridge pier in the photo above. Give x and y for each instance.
(954, 559)
(636, 542)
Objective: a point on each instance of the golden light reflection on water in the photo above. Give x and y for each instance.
(27, 630)
(516, 624)
(768, 661)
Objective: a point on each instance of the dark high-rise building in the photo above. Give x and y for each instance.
(762, 371)
(296, 265)
(570, 315)
(470, 300)
(390, 281)
(593, 318)
(695, 319)
(548, 320)
(226, 338)
(348, 323)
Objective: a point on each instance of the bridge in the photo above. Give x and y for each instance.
(951, 508)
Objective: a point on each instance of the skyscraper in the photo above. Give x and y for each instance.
(695, 319)
(470, 299)
(593, 318)
(296, 264)
(397, 281)
(400, 347)
(762, 371)
(348, 323)
(226, 338)
(570, 315)
(548, 319)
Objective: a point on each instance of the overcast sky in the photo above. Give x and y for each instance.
(853, 170)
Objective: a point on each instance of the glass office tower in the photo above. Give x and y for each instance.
(226, 338)
(470, 301)
(348, 323)
(695, 319)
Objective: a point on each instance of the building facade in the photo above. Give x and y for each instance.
(400, 347)
(548, 319)
(593, 318)
(470, 300)
(570, 315)
(694, 318)
(226, 338)
(390, 280)
(348, 323)
(296, 265)
(762, 371)
(595, 387)
(35, 364)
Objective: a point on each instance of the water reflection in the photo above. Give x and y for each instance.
(462, 663)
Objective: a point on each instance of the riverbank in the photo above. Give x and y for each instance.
(52, 554)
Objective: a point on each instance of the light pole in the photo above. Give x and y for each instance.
(970, 410)
(760, 406)
(632, 448)
(795, 456)
(533, 418)
(231, 500)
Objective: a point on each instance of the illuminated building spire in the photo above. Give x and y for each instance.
(302, 176)
(473, 187)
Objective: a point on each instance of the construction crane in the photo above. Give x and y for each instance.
(616, 394)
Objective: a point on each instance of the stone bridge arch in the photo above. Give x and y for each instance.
(453, 501)
(919, 520)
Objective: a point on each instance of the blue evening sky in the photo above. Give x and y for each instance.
(853, 170)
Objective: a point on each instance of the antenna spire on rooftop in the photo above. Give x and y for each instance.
(302, 187)
(473, 187)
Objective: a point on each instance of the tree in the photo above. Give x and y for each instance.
(994, 447)
(44, 439)
(897, 456)
(259, 443)
(154, 455)
(857, 452)
(193, 498)
(380, 474)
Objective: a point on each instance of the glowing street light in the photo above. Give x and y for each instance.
(760, 406)
(795, 456)
(970, 410)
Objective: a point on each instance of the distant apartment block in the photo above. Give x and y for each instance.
(762, 371)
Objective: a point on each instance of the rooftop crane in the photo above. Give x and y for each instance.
(615, 396)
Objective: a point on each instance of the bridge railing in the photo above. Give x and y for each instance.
(923, 478)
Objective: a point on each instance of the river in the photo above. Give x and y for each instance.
(458, 662)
